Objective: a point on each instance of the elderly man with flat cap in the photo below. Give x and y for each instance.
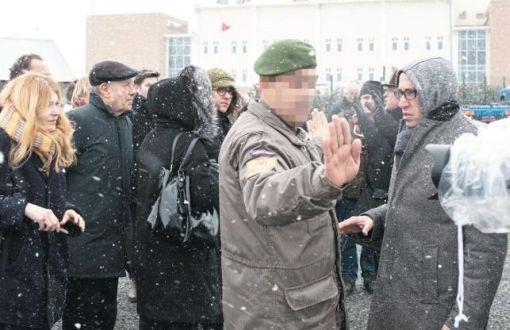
(277, 193)
(99, 185)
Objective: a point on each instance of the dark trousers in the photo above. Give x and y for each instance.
(91, 303)
(15, 327)
(148, 324)
(369, 259)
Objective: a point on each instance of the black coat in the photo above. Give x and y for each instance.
(388, 123)
(224, 127)
(33, 263)
(175, 282)
(99, 185)
(377, 167)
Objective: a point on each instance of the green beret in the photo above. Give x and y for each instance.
(285, 56)
(220, 78)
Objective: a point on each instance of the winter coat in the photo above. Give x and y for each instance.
(418, 270)
(224, 126)
(33, 263)
(143, 123)
(388, 123)
(342, 106)
(278, 229)
(376, 165)
(177, 282)
(99, 185)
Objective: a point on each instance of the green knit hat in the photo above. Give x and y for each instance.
(220, 78)
(285, 56)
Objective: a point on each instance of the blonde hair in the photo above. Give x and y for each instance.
(81, 91)
(29, 94)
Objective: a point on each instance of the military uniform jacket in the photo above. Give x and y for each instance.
(277, 229)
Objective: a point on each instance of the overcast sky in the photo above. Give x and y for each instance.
(64, 20)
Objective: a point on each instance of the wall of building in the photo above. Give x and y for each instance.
(499, 44)
(377, 22)
(139, 40)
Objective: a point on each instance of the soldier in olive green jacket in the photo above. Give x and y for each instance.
(276, 198)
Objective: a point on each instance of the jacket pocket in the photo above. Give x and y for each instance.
(311, 295)
(429, 275)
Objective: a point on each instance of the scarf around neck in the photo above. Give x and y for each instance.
(12, 123)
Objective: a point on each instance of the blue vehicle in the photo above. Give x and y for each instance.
(487, 113)
(504, 94)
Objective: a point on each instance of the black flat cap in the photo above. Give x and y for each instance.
(106, 71)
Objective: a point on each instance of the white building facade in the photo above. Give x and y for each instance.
(355, 40)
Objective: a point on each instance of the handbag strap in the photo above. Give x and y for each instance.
(188, 152)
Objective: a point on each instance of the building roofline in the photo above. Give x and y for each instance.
(298, 3)
(141, 14)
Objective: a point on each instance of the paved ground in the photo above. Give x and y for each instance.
(357, 306)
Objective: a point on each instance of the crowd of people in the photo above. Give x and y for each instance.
(271, 199)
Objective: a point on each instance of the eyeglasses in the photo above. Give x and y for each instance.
(409, 94)
(224, 90)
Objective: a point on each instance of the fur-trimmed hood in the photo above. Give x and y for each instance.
(185, 102)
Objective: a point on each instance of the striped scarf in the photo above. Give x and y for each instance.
(14, 126)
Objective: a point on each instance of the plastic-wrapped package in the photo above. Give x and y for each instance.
(475, 184)
(474, 188)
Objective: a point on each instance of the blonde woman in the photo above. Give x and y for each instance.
(35, 220)
(81, 92)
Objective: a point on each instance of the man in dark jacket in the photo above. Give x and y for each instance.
(387, 116)
(345, 105)
(418, 274)
(99, 185)
(143, 123)
(373, 187)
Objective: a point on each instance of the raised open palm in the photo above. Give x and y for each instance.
(341, 157)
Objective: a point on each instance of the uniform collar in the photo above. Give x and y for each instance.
(262, 111)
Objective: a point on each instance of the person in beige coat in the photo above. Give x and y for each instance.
(277, 194)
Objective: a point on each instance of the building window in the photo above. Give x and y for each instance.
(406, 43)
(179, 50)
(234, 47)
(394, 43)
(244, 75)
(472, 56)
(427, 43)
(360, 74)
(206, 47)
(339, 45)
(360, 44)
(328, 45)
(371, 74)
(371, 46)
(339, 74)
(245, 46)
(329, 77)
(234, 74)
(440, 42)
(265, 43)
(215, 47)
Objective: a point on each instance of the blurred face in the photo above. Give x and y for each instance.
(143, 88)
(390, 99)
(408, 101)
(223, 98)
(352, 93)
(290, 95)
(367, 101)
(48, 117)
(118, 95)
(39, 66)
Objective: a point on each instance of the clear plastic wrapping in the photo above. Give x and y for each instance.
(474, 186)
